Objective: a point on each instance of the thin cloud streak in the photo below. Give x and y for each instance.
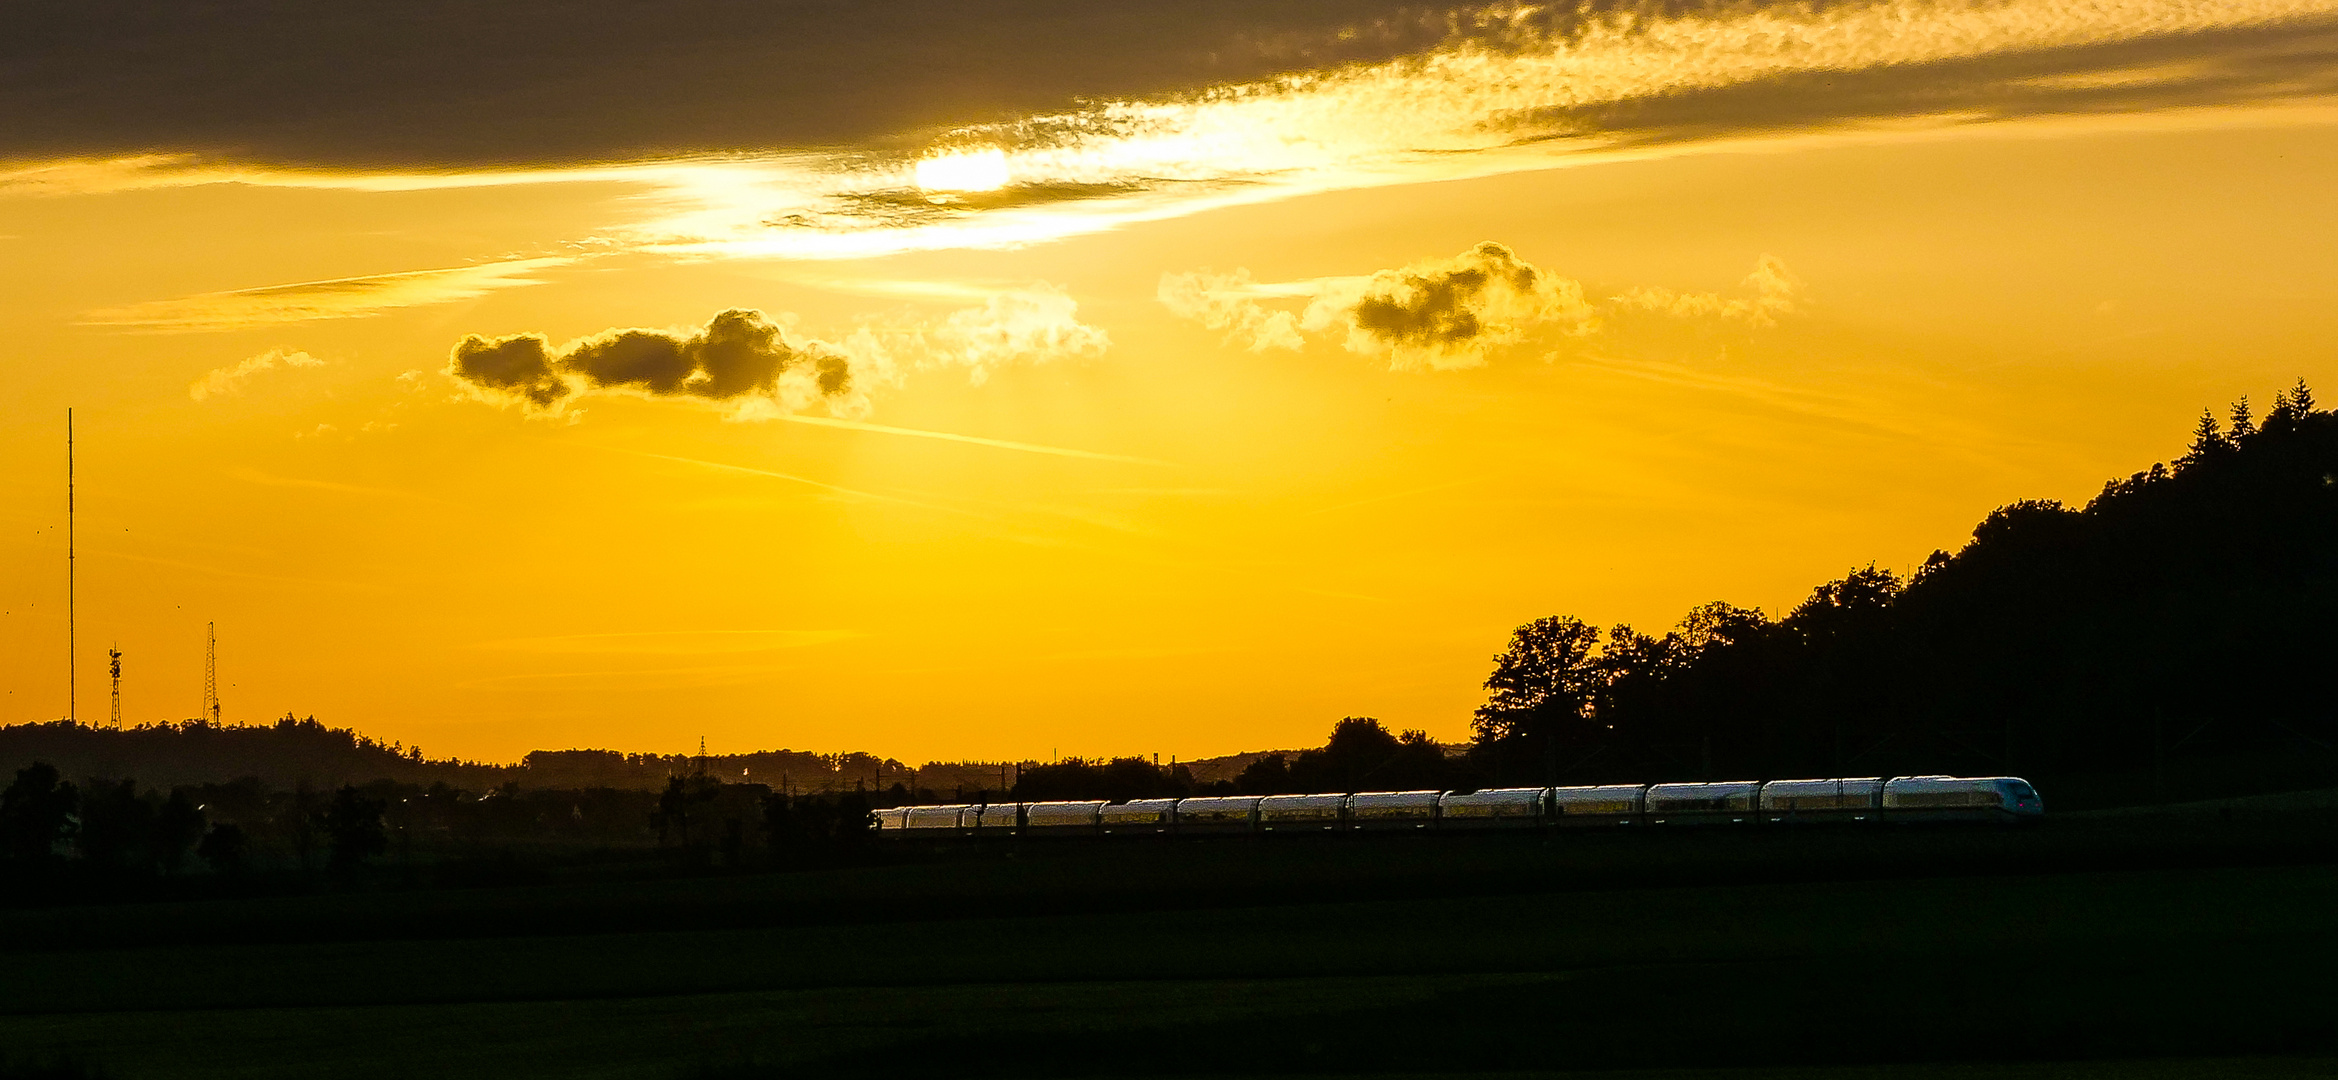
(673, 642)
(246, 575)
(336, 298)
(976, 440)
(792, 478)
(254, 476)
(1388, 497)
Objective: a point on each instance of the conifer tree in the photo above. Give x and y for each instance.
(2207, 441)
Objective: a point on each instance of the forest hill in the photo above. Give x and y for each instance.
(2157, 639)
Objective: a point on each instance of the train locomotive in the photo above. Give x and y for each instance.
(1868, 799)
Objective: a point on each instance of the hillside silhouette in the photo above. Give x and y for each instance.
(293, 751)
(2162, 639)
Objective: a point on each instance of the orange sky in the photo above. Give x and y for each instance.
(1126, 464)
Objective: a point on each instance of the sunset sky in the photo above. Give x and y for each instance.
(1026, 378)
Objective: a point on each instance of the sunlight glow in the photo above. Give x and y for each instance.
(981, 170)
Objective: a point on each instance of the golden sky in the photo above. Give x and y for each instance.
(1175, 378)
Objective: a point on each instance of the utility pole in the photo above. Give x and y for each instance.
(72, 658)
(114, 667)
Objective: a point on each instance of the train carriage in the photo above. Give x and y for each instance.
(1302, 813)
(1218, 814)
(1078, 818)
(1140, 816)
(892, 824)
(1493, 808)
(940, 820)
(1605, 804)
(999, 819)
(1728, 802)
(1811, 802)
(1409, 810)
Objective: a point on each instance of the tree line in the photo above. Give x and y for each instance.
(2165, 632)
(113, 837)
(2161, 639)
(292, 750)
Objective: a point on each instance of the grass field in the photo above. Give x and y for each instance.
(2183, 943)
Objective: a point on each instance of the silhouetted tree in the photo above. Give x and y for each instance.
(2208, 442)
(673, 812)
(1543, 686)
(2175, 609)
(117, 827)
(1362, 755)
(37, 813)
(354, 824)
(178, 826)
(853, 827)
(225, 848)
(1269, 775)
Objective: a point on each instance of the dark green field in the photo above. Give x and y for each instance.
(2192, 942)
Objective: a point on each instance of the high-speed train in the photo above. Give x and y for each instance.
(1996, 799)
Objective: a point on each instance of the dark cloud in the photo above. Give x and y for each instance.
(1448, 313)
(518, 366)
(1441, 305)
(738, 354)
(2293, 61)
(1439, 313)
(453, 82)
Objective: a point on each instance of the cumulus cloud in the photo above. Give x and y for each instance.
(1771, 291)
(751, 364)
(521, 366)
(229, 379)
(1230, 303)
(738, 356)
(1037, 324)
(1437, 314)
(1447, 313)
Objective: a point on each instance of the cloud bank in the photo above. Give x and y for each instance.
(1442, 314)
(750, 364)
(1429, 95)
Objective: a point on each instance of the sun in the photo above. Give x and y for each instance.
(964, 170)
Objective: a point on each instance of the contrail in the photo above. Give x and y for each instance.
(855, 493)
(1003, 444)
(1370, 499)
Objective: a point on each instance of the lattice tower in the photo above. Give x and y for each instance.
(211, 671)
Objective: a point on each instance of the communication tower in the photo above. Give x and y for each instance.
(114, 668)
(211, 672)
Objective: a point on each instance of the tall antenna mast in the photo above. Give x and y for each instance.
(114, 655)
(72, 658)
(211, 672)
